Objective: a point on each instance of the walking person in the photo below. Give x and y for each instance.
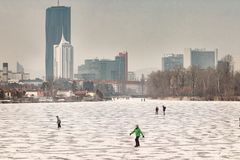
(137, 132)
(58, 122)
(164, 109)
(156, 110)
(239, 121)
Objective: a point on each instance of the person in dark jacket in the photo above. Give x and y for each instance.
(58, 122)
(164, 109)
(156, 110)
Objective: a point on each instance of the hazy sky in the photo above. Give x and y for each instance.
(101, 28)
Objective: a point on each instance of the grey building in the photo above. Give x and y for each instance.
(172, 61)
(5, 72)
(201, 58)
(122, 66)
(58, 22)
(20, 68)
(95, 69)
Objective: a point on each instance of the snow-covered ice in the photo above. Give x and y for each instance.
(100, 130)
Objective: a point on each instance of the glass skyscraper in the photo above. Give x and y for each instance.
(58, 22)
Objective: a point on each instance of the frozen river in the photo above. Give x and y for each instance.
(100, 130)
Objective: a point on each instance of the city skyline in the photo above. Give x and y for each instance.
(102, 28)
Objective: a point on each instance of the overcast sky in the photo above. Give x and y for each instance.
(101, 28)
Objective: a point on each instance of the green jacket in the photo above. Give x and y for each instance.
(137, 131)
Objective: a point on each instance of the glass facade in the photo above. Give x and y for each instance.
(58, 22)
(203, 59)
(95, 69)
(172, 61)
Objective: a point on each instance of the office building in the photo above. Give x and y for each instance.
(58, 22)
(131, 76)
(172, 61)
(20, 68)
(95, 69)
(5, 72)
(63, 60)
(122, 65)
(201, 58)
(236, 63)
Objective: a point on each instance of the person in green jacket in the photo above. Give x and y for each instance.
(137, 132)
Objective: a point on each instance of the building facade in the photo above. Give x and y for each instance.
(131, 76)
(201, 58)
(172, 61)
(20, 68)
(5, 72)
(236, 63)
(95, 69)
(63, 60)
(122, 65)
(58, 22)
(7, 76)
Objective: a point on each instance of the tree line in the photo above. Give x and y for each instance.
(220, 83)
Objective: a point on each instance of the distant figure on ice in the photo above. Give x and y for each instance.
(157, 110)
(164, 109)
(137, 132)
(58, 122)
(239, 121)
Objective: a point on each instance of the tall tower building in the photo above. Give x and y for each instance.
(63, 60)
(122, 65)
(122, 68)
(5, 72)
(58, 22)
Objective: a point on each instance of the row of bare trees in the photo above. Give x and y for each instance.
(209, 83)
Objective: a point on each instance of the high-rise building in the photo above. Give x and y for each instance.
(172, 61)
(58, 22)
(201, 58)
(20, 68)
(122, 64)
(63, 60)
(5, 72)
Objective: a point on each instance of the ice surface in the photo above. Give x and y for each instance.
(100, 130)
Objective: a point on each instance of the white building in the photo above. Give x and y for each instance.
(63, 60)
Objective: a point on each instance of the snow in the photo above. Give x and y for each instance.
(100, 130)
